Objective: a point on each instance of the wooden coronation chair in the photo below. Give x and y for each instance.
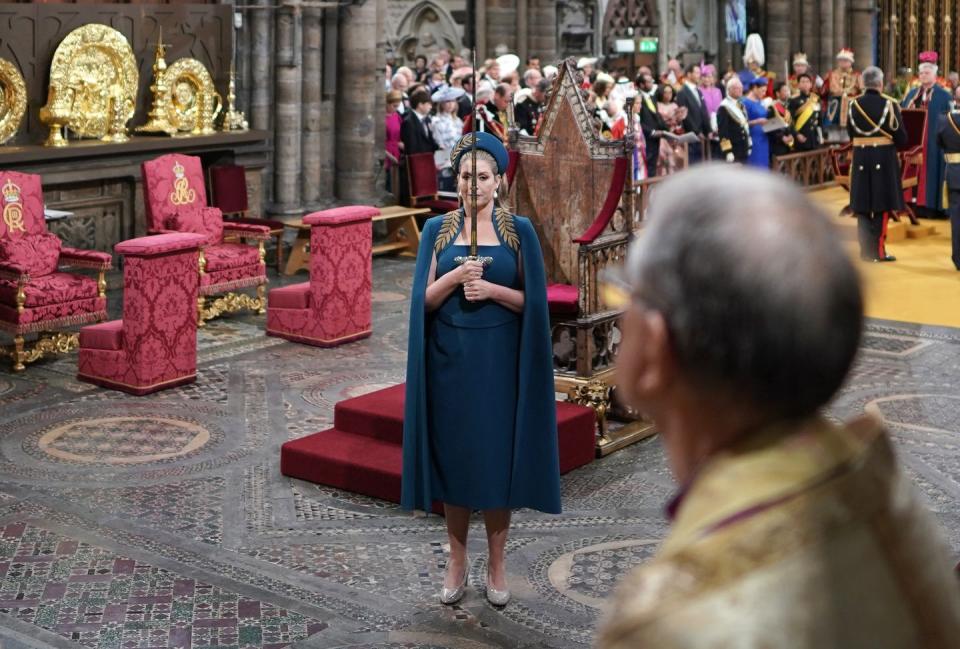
(577, 190)
(176, 201)
(35, 295)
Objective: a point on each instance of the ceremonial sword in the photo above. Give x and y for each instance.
(486, 261)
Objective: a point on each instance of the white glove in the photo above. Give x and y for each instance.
(730, 157)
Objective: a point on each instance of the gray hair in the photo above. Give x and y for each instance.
(733, 81)
(873, 77)
(761, 301)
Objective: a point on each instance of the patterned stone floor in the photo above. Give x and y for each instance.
(163, 521)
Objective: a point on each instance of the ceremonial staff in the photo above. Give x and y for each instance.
(486, 261)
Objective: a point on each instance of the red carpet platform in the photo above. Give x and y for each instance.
(362, 452)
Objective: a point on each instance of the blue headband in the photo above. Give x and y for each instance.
(485, 142)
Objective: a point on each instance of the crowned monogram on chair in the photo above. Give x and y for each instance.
(12, 208)
(182, 193)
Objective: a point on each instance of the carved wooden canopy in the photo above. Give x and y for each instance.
(564, 174)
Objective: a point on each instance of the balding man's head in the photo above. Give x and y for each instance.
(759, 303)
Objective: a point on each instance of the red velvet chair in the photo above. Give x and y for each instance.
(334, 307)
(154, 346)
(35, 297)
(228, 191)
(424, 190)
(176, 201)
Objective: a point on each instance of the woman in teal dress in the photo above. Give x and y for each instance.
(480, 419)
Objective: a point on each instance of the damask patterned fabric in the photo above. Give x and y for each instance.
(26, 193)
(295, 296)
(340, 283)
(171, 183)
(85, 258)
(157, 347)
(230, 255)
(204, 220)
(37, 252)
(52, 316)
(54, 288)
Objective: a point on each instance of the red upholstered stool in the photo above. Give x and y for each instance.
(563, 299)
(155, 345)
(334, 306)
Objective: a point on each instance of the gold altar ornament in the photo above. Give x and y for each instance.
(233, 120)
(13, 100)
(157, 121)
(93, 86)
(185, 101)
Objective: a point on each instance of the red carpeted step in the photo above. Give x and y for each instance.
(346, 461)
(376, 414)
(363, 452)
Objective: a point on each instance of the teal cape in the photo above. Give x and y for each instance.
(535, 473)
(934, 166)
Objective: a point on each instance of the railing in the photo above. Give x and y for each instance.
(607, 250)
(811, 169)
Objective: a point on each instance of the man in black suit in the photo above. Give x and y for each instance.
(948, 137)
(465, 103)
(415, 129)
(876, 130)
(698, 118)
(651, 123)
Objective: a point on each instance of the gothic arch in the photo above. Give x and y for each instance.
(622, 14)
(424, 29)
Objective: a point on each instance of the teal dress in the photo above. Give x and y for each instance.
(480, 417)
(472, 360)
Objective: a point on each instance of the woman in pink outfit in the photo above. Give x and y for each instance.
(392, 141)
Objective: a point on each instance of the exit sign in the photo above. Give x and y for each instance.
(649, 44)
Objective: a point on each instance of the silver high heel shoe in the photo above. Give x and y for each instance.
(497, 597)
(450, 596)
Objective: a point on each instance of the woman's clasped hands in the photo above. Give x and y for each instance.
(475, 288)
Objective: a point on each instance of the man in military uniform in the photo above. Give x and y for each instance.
(733, 128)
(876, 129)
(948, 137)
(842, 84)
(782, 140)
(805, 110)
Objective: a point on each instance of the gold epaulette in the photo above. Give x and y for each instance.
(725, 145)
(889, 98)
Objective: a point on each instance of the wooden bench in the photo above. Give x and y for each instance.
(403, 235)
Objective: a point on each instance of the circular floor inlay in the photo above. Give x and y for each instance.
(588, 575)
(933, 413)
(122, 440)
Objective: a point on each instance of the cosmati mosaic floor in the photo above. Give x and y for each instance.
(164, 521)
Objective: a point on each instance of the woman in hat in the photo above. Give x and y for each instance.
(447, 129)
(480, 418)
(757, 115)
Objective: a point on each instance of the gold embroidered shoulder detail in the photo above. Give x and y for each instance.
(507, 228)
(448, 230)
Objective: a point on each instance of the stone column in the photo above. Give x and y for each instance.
(778, 36)
(543, 31)
(261, 66)
(356, 100)
(523, 38)
(312, 97)
(260, 79)
(328, 109)
(287, 131)
(827, 45)
(481, 30)
(861, 31)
